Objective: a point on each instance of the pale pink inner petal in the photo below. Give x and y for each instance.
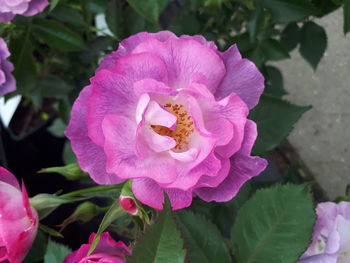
(156, 142)
(156, 115)
(141, 107)
(186, 156)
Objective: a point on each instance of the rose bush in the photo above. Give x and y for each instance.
(170, 113)
(107, 251)
(18, 220)
(7, 81)
(331, 236)
(10, 8)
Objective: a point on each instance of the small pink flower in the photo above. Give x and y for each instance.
(7, 81)
(170, 113)
(18, 220)
(10, 8)
(107, 251)
(331, 236)
(128, 204)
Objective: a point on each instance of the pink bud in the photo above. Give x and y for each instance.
(18, 220)
(128, 204)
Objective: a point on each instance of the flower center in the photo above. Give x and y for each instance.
(184, 126)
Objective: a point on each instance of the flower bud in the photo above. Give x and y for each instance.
(128, 204)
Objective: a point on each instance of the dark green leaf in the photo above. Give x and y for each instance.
(57, 128)
(71, 171)
(114, 17)
(313, 43)
(326, 6)
(25, 69)
(68, 15)
(45, 204)
(54, 87)
(275, 119)
(291, 36)
(161, 242)
(273, 82)
(37, 252)
(202, 239)
(112, 214)
(285, 11)
(274, 226)
(55, 252)
(149, 9)
(68, 154)
(274, 50)
(52, 232)
(346, 16)
(53, 4)
(254, 21)
(96, 6)
(57, 35)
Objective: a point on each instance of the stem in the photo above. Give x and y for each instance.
(92, 190)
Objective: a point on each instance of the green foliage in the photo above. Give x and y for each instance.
(71, 171)
(203, 240)
(150, 9)
(37, 252)
(114, 212)
(290, 36)
(55, 252)
(45, 204)
(346, 16)
(275, 119)
(161, 242)
(57, 35)
(312, 33)
(285, 11)
(274, 82)
(274, 226)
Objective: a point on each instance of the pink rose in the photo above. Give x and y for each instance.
(7, 81)
(10, 8)
(170, 113)
(331, 236)
(107, 251)
(18, 220)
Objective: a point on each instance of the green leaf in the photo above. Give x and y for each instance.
(53, 4)
(275, 119)
(68, 15)
(313, 43)
(291, 36)
(45, 204)
(273, 82)
(285, 11)
(274, 226)
(71, 171)
(254, 21)
(114, 212)
(52, 232)
(203, 240)
(36, 253)
(114, 17)
(55, 252)
(346, 8)
(149, 9)
(96, 6)
(274, 50)
(57, 35)
(161, 242)
(68, 154)
(57, 128)
(25, 70)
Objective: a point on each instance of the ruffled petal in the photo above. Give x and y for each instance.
(179, 199)
(119, 147)
(127, 45)
(242, 77)
(35, 7)
(113, 91)
(185, 58)
(9, 178)
(91, 157)
(148, 192)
